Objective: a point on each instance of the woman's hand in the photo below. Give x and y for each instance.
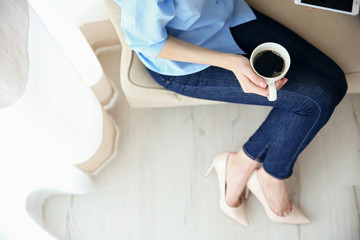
(179, 50)
(248, 79)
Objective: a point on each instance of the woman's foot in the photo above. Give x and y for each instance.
(237, 213)
(276, 193)
(277, 199)
(238, 170)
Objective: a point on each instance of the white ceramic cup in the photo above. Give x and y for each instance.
(279, 50)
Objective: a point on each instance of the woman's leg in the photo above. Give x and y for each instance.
(319, 85)
(305, 103)
(316, 82)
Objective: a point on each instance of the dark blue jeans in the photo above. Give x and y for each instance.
(305, 103)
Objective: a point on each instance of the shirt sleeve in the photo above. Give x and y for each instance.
(144, 24)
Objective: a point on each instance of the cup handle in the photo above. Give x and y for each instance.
(272, 92)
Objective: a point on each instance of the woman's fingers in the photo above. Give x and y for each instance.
(250, 81)
(280, 83)
(249, 86)
(255, 78)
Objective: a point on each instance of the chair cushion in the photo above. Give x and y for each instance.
(337, 35)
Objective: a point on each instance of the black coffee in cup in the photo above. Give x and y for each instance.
(269, 63)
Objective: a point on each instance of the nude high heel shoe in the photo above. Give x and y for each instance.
(294, 217)
(236, 213)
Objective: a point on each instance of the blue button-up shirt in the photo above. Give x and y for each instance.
(206, 23)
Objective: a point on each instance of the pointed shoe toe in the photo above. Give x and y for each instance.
(236, 213)
(297, 216)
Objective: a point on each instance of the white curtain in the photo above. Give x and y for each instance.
(61, 24)
(13, 60)
(56, 120)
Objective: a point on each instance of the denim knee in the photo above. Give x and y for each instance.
(338, 79)
(341, 86)
(328, 96)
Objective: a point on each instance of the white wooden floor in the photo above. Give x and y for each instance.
(155, 188)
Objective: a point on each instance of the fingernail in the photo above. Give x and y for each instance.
(263, 84)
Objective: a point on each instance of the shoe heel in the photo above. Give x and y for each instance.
(210, 169)
(247, 193)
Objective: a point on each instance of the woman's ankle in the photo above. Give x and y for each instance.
(238, 172)
(269, 180)
(247, 164)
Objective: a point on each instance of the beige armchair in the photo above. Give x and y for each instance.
(337, 35)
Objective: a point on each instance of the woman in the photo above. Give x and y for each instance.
(201, 49)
